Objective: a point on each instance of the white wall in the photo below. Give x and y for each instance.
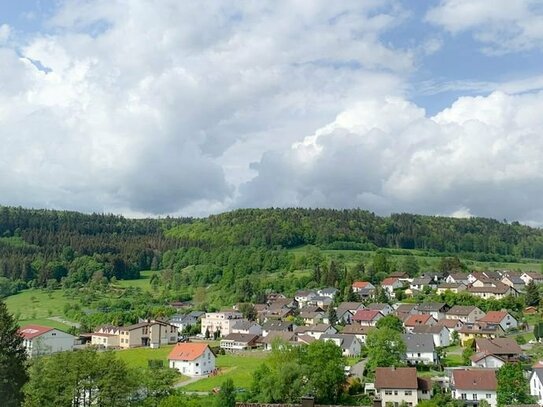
(204, 365)
(536, 388)
(50, 342)
(476, 395)
(396, 396)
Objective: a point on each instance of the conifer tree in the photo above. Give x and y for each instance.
(13, 358)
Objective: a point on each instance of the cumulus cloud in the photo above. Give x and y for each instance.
(481, 156)
(159, 106)
(502, 25)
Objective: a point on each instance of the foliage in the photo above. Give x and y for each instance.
(392, 322)
(468, 352)
(291, 372)
(386, 347)
(12, 360)
(532, 294)
(227, 395)
(538, 330)
(513, 388)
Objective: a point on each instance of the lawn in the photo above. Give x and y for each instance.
(239, 368)
(36, 304)
(142, 282)
(138, 357)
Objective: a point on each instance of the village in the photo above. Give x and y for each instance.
(437, 335)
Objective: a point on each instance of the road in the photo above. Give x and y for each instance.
(358, 369)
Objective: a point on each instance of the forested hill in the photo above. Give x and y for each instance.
(39, 247)
(359, 229)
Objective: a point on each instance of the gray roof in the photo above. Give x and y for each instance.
(245, 338)
(330, 290)
(431, 306)
(346, 341)
(421, 281)
(243, 325)
(378, 306)
(419, 342)
(277, 326)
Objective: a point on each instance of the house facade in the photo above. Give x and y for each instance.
(192, 359)
(536, 382)
(395, 386)
(43, 340)
(221, 322)
(148, 333)
(472, 386)
(465, 313)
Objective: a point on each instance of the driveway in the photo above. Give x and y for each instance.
(358, 369)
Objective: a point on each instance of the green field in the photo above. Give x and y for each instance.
(138, 357)
(45, 322)
(36, 304)
(142, 282)
(239, 368)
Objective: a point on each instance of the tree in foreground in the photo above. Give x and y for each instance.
(13, 358)
(80, 379)
(386, 347)
(513, 388)
(390, 321)
(532, 295)
(227, 395)
(292, 372)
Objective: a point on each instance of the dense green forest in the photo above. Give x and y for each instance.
(44, 247)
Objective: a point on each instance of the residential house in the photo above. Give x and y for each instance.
(532, 276)
(304, 296)
(361, 332)
(152, 333)
(183, 321)
(481, 359)
(440, 333)
(484, 276)
(192, 359)
(358, 286)
(436, 309)
(479, 330)
(43, 340)
(367, 317)
(465, 313)
(403, 311)
(458, 278)
(316, 331)
(452, 287)
(503, 318)
(536, 382)
(312, 315)
(220, 322)
(329, 292)
(420, 283)
(320, 301)
(382, 307)
(507, 349)
(473, 385)
(277, 326)
(271, 297)
(513, 280)
(346, 310)
(390, 284)
(497, 290)
(277, 337)
(420, 349)
(453, 325)
(418, 319)
(349, 344)
(242, 326)
(106, 336)
(239, 342)
(397, 385)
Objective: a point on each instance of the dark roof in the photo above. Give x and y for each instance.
(500, 288)
(277, 326)
(419, 342)
(243, 325)
(475, 379)
(246, 338)
(379, 306)
(396, 378)
(313, 328)
(432, 306)
(427, 329)
(345, 340)
(481, 327)
(463, 310)
(498, 346)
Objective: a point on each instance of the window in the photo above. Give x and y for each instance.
(474, 396)
(488, 395)
(408, 392)
(395, 392)
(463, 396)
(388, 392)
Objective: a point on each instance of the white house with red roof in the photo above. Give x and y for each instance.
(416, 320)
(42, 340)
(503, 318)
(192, 359)
(367, 317)
(390, 284)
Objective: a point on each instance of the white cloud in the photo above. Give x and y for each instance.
(159, 106)
(481, 156)
(502, 25)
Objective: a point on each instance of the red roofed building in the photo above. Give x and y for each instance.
(361, 285)
(367, 317)
(390, 284)
(192, 359)
(503, 318)
(416, 320)
(473, 385)
(42, 340)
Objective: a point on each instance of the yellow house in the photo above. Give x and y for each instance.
(479, 330)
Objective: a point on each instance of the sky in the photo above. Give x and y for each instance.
(167, 107)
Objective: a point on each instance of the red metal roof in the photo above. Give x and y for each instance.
(32, 331)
